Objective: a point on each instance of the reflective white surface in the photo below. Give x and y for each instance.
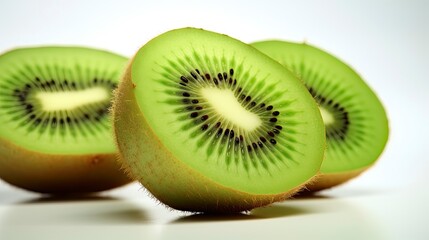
(385, 41)
(345, 213)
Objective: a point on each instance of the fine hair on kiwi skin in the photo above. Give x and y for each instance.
(55, 130)
(209, 124)
(355, 119)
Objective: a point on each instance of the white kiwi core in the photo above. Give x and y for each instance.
(225, 103)
(68, 100)
(327, 116)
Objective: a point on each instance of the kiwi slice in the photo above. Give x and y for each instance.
(355, 120)
(209, 124)
(55, 132)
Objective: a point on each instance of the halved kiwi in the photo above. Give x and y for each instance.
(209, 124)
(55, 131)
(355, 120)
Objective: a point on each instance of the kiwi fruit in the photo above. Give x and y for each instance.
(209, 124)
(55, 130)
(355, 120)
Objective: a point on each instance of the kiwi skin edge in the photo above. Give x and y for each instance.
(59, 174)
(130, 124)
(328, 180)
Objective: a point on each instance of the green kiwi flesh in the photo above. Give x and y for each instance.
(355, 120)
(209, 124)
(55, 130)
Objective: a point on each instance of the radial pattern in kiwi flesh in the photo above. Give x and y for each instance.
(209, 124)
(355, 120)
(55, 131)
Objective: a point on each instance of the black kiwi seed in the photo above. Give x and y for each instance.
(205, 117)
(204, 127)
(194, 114)
(276, 113)
(184, 79)
(231, 135)
(219, 132)
(226, 132)
(254, 145)
(37, 121)
(273, 141)
(219, 75)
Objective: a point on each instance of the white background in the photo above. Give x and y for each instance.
(385, 41)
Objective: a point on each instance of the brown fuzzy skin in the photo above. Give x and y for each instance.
(174, 183)
(328, 180)
(59, 174)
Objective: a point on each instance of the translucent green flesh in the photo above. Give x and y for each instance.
(55, 99)
(179, 75)
(359, 130)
